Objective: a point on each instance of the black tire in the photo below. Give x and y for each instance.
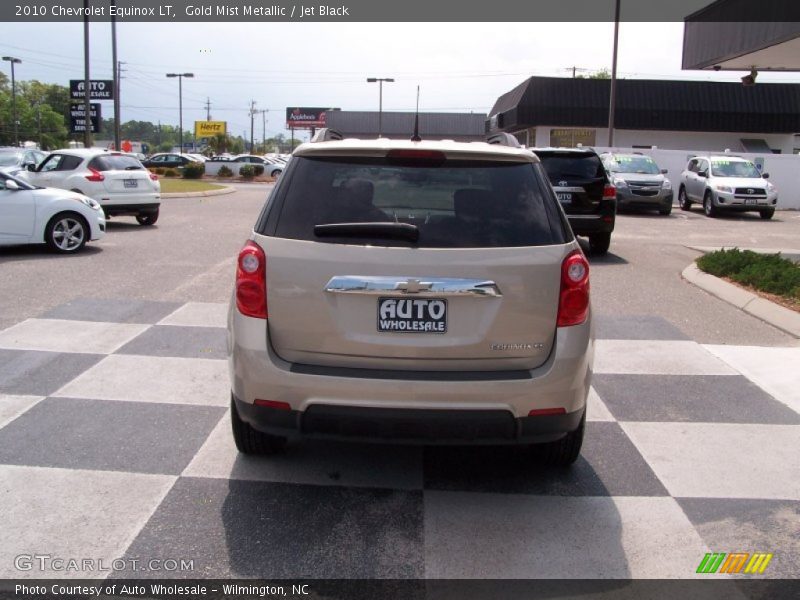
(599, 243)
(148, 218)
(563, 452)
(252, 441)
(67, 233)
(665, 210)
(276, 173)
(708, 205)
(766, 213)
(683, 200)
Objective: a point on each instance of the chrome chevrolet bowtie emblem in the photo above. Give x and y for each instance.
(563, 183)
(413, 286)
(750, 190)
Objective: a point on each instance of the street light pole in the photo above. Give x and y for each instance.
(612, 101)
(180, 77)
(14, 61)
(380, 81)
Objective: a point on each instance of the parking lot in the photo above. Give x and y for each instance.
(114, 433)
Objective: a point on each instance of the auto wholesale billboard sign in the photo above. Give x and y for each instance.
(304, 117)
(100, 89)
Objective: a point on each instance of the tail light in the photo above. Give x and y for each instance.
(573, 300)
(95, 175)
(251, 281)
(153, 176)
(609, 192)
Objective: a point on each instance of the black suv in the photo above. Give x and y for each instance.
(582, 186)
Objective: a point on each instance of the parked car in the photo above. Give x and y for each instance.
(639, 182)
(63, 220)
(585, 192)
(168, 160)
(417, 292)
(13, 160)
(117, 181)
(726, 183)
(271, 168)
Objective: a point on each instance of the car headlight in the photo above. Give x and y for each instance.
(770, 187)
(724, 188)
(93, 204)
(667, 185)
(620, 183)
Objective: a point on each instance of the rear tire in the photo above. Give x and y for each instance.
(599, 243)
(563, 452)
(683, 199)
(708, 206)
(149, 218)
(252, 441)
(767, 213)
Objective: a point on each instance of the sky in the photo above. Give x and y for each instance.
(460, 67)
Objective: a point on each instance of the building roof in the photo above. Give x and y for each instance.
(351, 122)
(649, 104)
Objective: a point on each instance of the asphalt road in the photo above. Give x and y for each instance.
(190, 255)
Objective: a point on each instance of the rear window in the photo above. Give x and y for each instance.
(454, 204)
(115, 162)
(572, 166)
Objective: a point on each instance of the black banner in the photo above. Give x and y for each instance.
(100, 89)
(77, 117)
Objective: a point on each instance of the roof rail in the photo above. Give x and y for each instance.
(326, 135)
(503, 139)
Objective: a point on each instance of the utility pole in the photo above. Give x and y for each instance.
(264, 129)
(573, 72)
(14, 61)
(39, 121)
(613, 99)
(252, 112)
(115, 75)
(208, 109)
(380, 81)
(87, 82)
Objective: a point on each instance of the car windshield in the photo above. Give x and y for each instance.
(10, 158)
(453, 203)
(115, 162)
(734, 168)
(572, 166)
(633, 164)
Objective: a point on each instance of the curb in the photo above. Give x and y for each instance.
(222, 192)
(779, 317)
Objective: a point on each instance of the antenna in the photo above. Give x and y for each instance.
(415, 137)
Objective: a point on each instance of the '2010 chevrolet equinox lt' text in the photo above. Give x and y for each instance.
(411, 291)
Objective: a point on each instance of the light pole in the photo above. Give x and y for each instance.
(380, 81)
(612, 101)
(14, 61)
(180, 77)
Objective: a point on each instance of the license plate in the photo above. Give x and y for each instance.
(131, 183)
(750, 201)
(564, 198)
(412, 315)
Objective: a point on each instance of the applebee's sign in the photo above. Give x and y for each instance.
(305, 117)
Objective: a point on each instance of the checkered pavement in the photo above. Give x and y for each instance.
(115, 443)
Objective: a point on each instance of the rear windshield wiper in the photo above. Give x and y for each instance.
(396, 231)
(132, 168)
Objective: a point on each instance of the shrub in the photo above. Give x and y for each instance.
(224, 172)
(194, 170)
(170, 173)
(247, 172)
(766, 272)
(258, 170)
(159, 170)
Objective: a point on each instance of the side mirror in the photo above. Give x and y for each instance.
(703, 173)
(664, 171)
(765, 175)
(30, 167)
(12, 185)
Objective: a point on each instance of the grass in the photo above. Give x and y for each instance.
(767, 273)
(171, 186)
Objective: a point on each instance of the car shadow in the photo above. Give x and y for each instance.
(606, 259)
(32, 252)
(125, 226)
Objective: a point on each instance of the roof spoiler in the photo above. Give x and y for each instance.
(503, 139)
(327, 135)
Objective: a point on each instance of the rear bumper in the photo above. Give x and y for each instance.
(427, 407)
(628, 199)
(600, 222)
(130, 209)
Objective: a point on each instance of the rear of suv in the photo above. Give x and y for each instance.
(420, 292)
(585, 192)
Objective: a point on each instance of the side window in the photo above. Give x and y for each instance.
(692, 166)
(51, 164)
(702, 166)
(70, 163)
(160, 159)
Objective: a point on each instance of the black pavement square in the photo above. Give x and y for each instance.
(108, 435)
(750, 525)
(690, 398)
(609, 465)
(41, 373)
(635, 327)
(184, 342)
(113, 310)
(249, 529)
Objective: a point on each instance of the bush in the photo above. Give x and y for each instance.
(224, 172)
(247, 172)
(766, 272)
(194, 170)
(159, 170)
(170, 173)
(258, 170)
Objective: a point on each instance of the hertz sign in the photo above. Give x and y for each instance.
(207, 129)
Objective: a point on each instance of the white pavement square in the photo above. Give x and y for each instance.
(198, 314)
(596, 409)
(515, 536)
(721, 460)
(57, 335)
(73, 514)
(656, 357)
(13, 406)
(201, 381)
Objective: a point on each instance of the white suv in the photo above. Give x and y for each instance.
(726, 183)
(118, 181)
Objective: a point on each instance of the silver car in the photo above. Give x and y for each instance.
(639, 182)
(427, 292)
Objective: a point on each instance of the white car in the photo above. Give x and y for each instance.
(63, 220)
(271, 168)
(118, 181)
